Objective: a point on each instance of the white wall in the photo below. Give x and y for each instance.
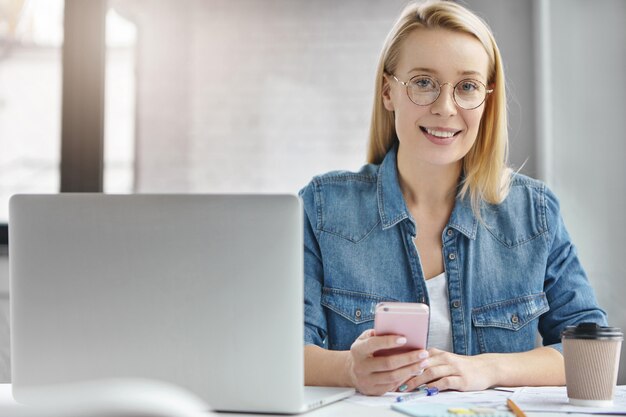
(512, 24)
(588, 140)
(580, 86)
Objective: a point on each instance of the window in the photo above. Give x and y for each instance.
(199, 96)
(31, 35)
(252, 96)
(119, 111)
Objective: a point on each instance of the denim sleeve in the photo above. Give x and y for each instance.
(570, 296)
(314, 317)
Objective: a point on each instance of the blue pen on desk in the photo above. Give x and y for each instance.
(423, 392)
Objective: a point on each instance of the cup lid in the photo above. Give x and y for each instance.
(592, 331)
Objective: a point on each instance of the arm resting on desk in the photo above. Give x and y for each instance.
(540, 366)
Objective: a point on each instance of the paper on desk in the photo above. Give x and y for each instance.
(554, 399)
(488, 398)
(422, 409)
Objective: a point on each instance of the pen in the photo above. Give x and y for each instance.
(422, 392)
(515, 408)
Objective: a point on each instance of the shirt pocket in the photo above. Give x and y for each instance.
(509, 325)
(520, 218)
(348, 314)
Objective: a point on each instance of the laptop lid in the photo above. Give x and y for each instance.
(203, 291)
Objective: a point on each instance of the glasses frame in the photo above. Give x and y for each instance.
(406, 86)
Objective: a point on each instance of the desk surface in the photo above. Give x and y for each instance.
(339, 409)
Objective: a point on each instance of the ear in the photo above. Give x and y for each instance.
(386, 94)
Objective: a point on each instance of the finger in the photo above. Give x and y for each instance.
(438, 357)
(408, 376)
(434, 373)
(415, 382)
(359, 348)
(366, 334)
(376, 343)
(452, 382)
(400, 376)
(400, 360)
(435, 351)
(385, 381)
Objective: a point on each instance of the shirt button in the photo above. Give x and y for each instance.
(357, 314)
(450, 232)
(456, 304)
(514, 319)
(452, 256)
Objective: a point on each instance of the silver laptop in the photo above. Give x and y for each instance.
(203, 291)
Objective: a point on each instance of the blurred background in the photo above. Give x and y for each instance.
(196, 96)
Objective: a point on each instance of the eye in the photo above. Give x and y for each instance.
(469, 86)
(423, 83)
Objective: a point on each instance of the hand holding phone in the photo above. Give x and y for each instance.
(403, 319)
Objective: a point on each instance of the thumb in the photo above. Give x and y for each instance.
(366, 334)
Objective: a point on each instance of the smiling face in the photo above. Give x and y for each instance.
(440, 133)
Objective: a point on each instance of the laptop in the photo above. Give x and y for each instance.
(202, 291)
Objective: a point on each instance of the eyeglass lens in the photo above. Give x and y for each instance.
(424, 90)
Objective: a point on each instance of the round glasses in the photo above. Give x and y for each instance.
(424, 90)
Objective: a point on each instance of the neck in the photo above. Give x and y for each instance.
(427, 186)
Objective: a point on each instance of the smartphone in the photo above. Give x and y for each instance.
(403, 319)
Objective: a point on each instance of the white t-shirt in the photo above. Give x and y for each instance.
(440, 327)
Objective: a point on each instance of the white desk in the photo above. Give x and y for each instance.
(338, 409)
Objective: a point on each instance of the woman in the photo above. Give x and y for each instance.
(437, 217)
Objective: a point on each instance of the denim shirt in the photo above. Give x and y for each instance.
(513, 275)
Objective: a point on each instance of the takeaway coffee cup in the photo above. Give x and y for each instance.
(591, 354)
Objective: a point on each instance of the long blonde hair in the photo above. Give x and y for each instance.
(485, 169)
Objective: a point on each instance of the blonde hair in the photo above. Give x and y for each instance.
(485, 169)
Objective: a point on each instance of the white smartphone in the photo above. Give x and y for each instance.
(403, 319)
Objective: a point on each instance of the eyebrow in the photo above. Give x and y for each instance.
(432, 71)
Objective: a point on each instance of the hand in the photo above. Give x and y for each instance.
(372, 375)
(449, 371)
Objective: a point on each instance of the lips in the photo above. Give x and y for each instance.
(440, 136)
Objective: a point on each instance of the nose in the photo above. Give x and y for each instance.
(445, 104)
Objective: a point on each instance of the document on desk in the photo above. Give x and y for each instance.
(488, 398)
(554, 399)
(449, 410)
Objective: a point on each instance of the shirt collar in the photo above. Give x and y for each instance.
(392, 207)
(463, 219)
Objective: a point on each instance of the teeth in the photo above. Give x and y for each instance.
(439, 134)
